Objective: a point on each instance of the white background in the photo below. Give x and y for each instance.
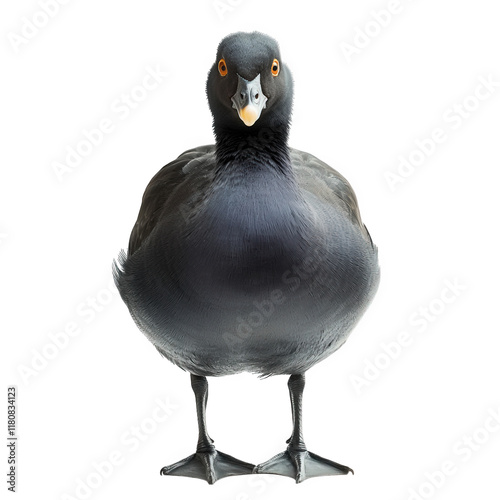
(58, 238)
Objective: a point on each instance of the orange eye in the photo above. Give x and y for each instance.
(222, 67)
(275, 68)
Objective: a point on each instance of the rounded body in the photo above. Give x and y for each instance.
(251, 271)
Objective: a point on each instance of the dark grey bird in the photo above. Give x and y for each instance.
(248, 255)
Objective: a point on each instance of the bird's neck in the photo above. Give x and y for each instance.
(259, 149)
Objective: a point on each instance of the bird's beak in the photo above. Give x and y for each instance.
(249, 100)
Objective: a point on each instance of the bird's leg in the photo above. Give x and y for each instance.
(293, 409)
(296, 385)
(296, 461)
(207, 463)
(200, 389)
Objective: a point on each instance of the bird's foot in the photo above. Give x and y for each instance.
(300, 465)
(209, 465)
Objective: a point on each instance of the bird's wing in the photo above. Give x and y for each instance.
(327, 185)
(161, 187)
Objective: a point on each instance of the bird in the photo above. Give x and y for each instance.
(248, 255)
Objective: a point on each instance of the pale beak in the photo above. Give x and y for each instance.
(249, 100)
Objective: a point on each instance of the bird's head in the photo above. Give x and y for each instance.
(249, 86)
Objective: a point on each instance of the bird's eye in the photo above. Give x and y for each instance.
(222, 67)
(275, 68)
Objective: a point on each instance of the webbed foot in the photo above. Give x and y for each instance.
(209, 465)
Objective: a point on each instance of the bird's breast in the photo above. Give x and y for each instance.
(246, 244)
